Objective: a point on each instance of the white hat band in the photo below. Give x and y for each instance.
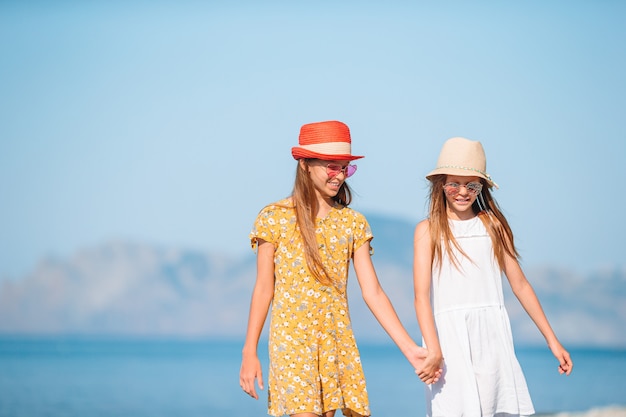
(331, 148)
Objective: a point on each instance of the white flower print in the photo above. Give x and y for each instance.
(299, 327)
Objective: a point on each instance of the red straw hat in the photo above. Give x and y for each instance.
(329, 141)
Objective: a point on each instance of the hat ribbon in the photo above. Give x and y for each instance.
(487, 176)
(332, 148)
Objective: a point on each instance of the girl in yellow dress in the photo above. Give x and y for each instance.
(304, 245)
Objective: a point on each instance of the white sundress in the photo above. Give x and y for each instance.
(482, 376)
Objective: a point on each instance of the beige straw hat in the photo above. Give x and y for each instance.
(460, 156)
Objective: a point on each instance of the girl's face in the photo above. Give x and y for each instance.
(460, 193)
(327, 177)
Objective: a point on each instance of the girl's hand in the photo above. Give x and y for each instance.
(431, 369)
(416, 356)
(565, 362)
(250, 370)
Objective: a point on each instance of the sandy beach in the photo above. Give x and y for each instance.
(609, 411)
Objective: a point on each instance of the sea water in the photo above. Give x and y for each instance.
(89, 377)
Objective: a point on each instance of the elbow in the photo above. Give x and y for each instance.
(421, 302)
(421, 296)
(367, 297)
(520, 289)
(371, 295)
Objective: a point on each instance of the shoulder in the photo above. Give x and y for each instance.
(272, 220)
(422, 231)
(350, 211)
(423, 227)
(284, 205)
(351, 222)
(351, 214)
(422, 242)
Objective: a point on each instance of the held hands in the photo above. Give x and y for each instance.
(250, 370)
(427, 365)
(431, 367)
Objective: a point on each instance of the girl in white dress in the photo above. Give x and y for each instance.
(460, 253)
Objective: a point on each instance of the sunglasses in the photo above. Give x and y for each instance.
(453, 188)
(334, 169)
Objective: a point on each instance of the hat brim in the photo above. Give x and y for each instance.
(301, 153)
(460, 172)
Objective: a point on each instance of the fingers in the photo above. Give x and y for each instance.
(428, 377)
(248, 388)
(247, 385)
(437, 375)
(565, 364)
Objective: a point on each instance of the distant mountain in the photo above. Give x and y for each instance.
(123, 288)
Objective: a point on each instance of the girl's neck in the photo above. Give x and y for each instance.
(460, 215)
(324, 205)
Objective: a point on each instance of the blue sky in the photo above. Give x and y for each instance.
(171, 123)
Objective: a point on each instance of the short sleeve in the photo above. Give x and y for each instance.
(362, 231)
(264, 227)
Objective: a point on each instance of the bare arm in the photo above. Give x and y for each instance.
(422, 272)
(259, 306)
(381, 307)
(528, 299)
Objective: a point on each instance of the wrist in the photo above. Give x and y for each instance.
(435, 352)
(553, 342)
(249, 351)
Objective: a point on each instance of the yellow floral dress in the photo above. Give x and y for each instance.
(314, 361)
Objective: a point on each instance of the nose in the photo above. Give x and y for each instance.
(342, 173)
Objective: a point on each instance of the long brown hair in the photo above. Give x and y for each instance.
(305, 202)
(490, 214)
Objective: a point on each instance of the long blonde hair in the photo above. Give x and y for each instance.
(490, 214)
(305, 202)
